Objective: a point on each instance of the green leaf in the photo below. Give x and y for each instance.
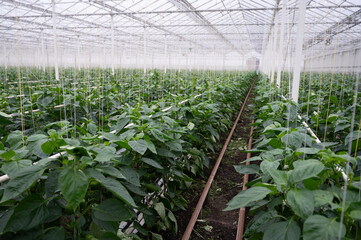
(279, 177)
(73, 185)
(317, 227)
(112, 185)
(121, 124)
(55, 233)
(322, 197)
(307, 150)
(15, 140)
(131, 175)
(168, 120)
(213, 131)
(8, 155)
(305, 169)
(174, 220)
(106, 154)
(159, 207)
(51, 183)
(275, 143)
(13, 167)
(175, 146)
(112, 171)
(266, 165)
(260, 219)
(301, 201)
(112, 210)
(294, 139)
(244, 198)
(29, 213)
(283, 231)
(152, 163)
(355, 214)
(334, 100)
(156, 236)
(36, 137)
(4, 218)
(35, 148)
(247, 169)
(5, 119)
(22, 180)
(157, 135)
(151, 146)
(340, 127)
(48, 147)
(139, 146)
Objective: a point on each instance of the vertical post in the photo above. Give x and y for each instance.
(56, 65)
(223, 61)
(280, 61)
(5, 57)
(165, 53)
(298, 51)
(144, 50)
(42, 50)
(78, 53)
(273, 53)
(112, 30)
(180, 57)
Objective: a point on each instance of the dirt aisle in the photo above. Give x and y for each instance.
(213, 222)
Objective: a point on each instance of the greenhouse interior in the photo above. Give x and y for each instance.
(180, 119)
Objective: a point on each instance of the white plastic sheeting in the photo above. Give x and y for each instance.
(199, 34)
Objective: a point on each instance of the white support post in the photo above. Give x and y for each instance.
(144, 50)
(56, 65)
(165, 53)
(273, 53)
(180, 57)
(112, 30)
(223, 61)
(42, 50)
(78, 54)
(298, 51)
(5, 57)
(280, 55)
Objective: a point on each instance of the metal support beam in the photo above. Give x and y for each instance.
(189, 11)
(131, 16)
(339, 27)
(184, 5)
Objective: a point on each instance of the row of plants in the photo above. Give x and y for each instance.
(328, 105)
(299, 190)
(79, 180)
(94, 93)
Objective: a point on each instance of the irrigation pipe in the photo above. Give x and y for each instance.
(242, 211)
(201, 200)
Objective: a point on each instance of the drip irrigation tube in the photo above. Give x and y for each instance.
(202, 198)
(242, 211)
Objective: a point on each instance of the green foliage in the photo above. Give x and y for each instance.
(97, 160)
(299, 187)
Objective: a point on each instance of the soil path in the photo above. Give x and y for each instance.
(213, 222)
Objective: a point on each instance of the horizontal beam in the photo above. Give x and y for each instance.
(190, 11)
(337, 28)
